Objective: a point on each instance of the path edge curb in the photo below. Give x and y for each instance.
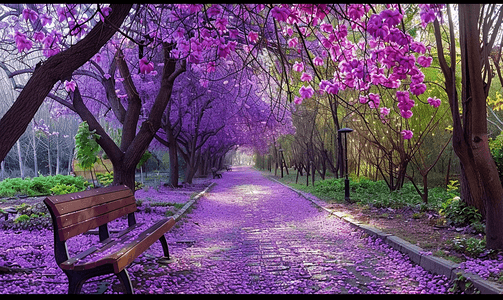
(419, 256)
(189, 203)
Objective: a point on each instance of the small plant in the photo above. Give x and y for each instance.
(472, 247)
(459, 213)
(105, 179)
(453, 186)
(417, 215)
(22, 219)
(86, 146)
(62, 189)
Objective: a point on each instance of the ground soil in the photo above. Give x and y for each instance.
(424, 229)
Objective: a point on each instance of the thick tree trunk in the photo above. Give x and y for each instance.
(474, 92)
(56, 68)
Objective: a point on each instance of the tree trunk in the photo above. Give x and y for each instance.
(474, 92)
(56, 68)
(34, 145)
(20, 158)
(173, 158)
(470, 140)
(124, 176)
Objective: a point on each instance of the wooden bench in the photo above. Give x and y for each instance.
(215, 173)
(77, 213)
(228, 167)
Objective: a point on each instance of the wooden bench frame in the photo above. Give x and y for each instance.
(77, 213)
(215, 173)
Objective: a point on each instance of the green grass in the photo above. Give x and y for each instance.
(364, 191)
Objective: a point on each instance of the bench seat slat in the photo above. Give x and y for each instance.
(100, 247)
(93, 211)
(78, 228)
(63, 204)
(129, 252)
(141, 244)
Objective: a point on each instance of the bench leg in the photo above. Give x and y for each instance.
(75, 285)
(77, 279)
(126, 281)
(164, 244)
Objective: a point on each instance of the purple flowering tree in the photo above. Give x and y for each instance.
(41, 28)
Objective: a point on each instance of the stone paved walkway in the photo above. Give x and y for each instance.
(251, 235)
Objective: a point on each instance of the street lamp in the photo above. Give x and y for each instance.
(346, 182)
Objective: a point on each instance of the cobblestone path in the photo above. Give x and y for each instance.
(251, 235)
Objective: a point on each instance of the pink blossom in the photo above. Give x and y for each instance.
(45, 20)
(332, 88)
(406, 114)
(356, 11)
(417, 89)
(280, 13)
(29, 14)
(306, 92)
(384, 111)
(424, 61)
(318, 61)
(391, 17)
(292, 43)
(407, 134)
(105, 11)
(214, 10)
(374, 100)
(252, 36)
(297, 100)
(298, 66)
(70, 86)
(363, 99)
(435, 102)
(326, 27)
(306, 77)
(145, 66)
(418, 47)
(38, 36)
(221, 24)
(22, 42)
(427, 14)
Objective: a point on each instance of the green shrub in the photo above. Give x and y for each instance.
(61, 189)
(459, 213)
(496, 147)
(470, 246)
(41, 186)
(105, 179)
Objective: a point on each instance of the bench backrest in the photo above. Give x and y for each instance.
(77, 213)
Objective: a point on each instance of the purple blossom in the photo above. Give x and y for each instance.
(435, 102)
(29, 14)
(145, 66)
(306, 92)
(407, 134)
(22, 42)
(253, 37)
(280, 13)
(306, 77)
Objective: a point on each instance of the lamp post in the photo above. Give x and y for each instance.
(346, 181)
